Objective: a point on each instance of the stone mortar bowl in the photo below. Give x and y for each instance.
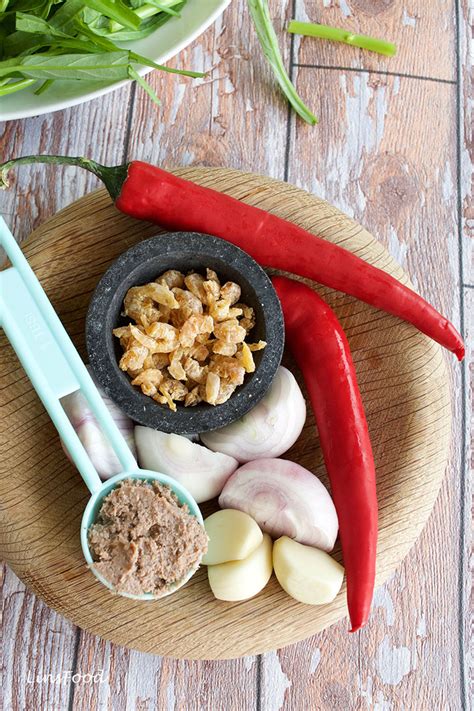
(143, 263)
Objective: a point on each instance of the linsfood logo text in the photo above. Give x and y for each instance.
(67, 676)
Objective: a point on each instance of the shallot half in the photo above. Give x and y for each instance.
(201, 471)
(285, 499)
(269, 429)
(89, 432)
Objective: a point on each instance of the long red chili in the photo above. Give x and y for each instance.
(149, 193)
(320, 348)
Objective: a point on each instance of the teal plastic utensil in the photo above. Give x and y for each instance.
(55, 369)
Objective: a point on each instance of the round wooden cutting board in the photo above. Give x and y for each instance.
(404, 386)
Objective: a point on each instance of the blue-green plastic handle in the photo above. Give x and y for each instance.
(51, 360)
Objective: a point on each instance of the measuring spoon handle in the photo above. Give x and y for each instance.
(50, 359)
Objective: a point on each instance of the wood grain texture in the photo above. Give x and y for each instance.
(403, 383)
(424, 32)
(468, 517)
(466, 236)
(98, 128)
(324, 667)
(400, 185)
(466, 135)
(133, 680)
(235, 117)
(41, 642)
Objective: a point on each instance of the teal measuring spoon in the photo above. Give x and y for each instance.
(55, 369)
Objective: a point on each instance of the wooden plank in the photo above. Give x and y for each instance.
(468, 510)
(400, 183)
(235, 117)
(466, 223)
(37, 649)
(466, 137)
(367, 159)
(424, 33)
(132, 680)
(97, 129)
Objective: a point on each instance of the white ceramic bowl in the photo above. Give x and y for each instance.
(161, 45)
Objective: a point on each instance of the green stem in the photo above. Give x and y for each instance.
(11, 86)
(44, 87)
(147, 10)
(113, 177)
(144, 12)
(117, 11)
(337, 34)
(269, 43)
(163, 8)
(110, 46)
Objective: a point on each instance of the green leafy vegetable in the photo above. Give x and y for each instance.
(337, 34)
(109, 46)
(107, 65)
(40, 8)
(269, 43)
(78, 40)
(63, 17)
(36, 25)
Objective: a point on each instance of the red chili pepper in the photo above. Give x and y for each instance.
(149, 193)
(320, 348)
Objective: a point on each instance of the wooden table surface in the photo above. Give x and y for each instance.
(394, 150)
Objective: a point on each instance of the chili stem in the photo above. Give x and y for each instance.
(112, 176)
(337, 34)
